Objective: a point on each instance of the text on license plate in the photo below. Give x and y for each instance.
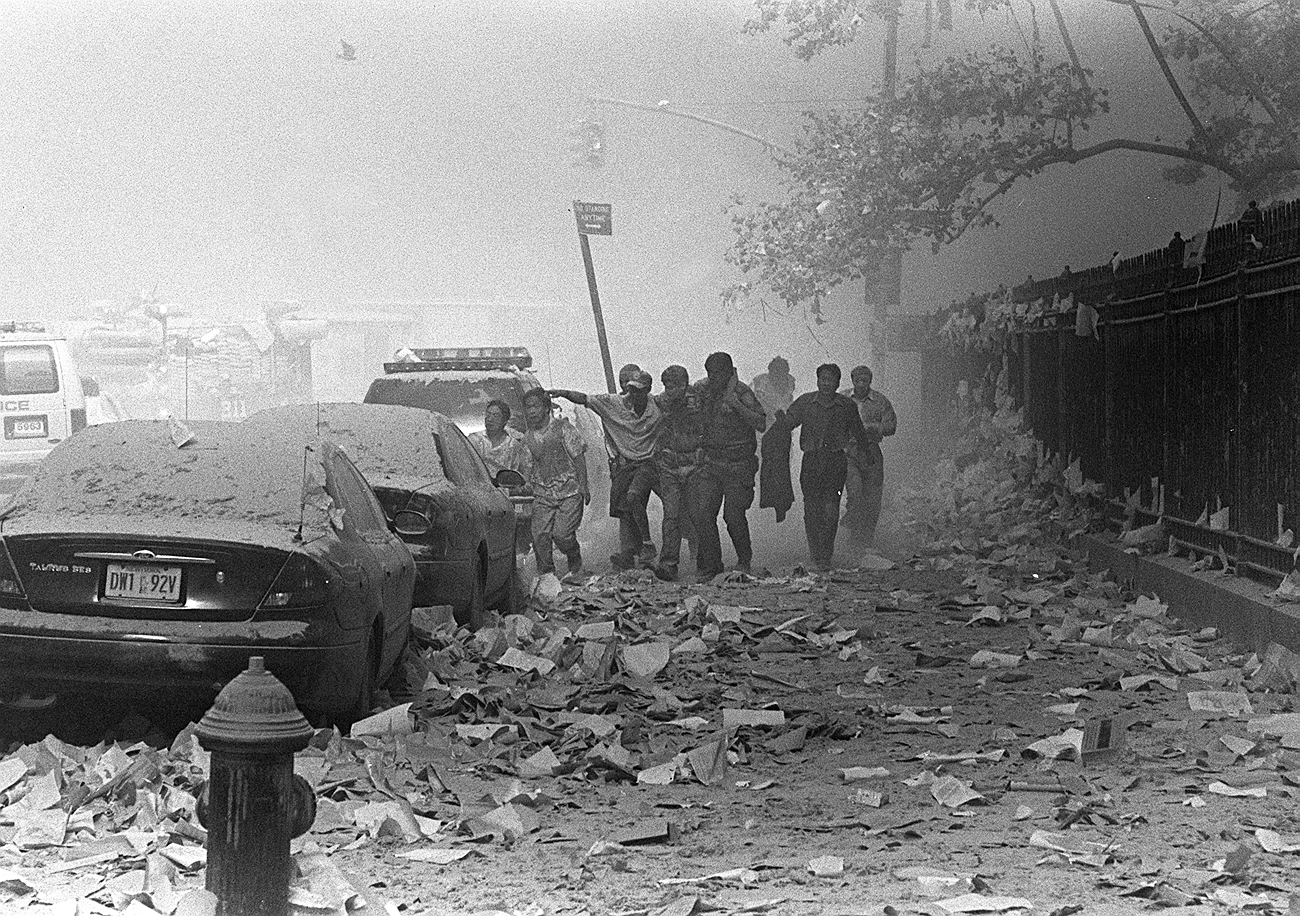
(143, 580)
(26, 428)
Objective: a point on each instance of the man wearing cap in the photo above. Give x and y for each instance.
(732, 418)
(631, 424)
(866, 472)
(678, 456)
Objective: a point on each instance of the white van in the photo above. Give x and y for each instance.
(41, 400)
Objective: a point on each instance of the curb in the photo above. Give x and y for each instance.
(1238, 608)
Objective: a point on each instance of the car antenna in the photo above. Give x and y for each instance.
(302, 502)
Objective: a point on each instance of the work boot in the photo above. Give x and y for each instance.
(622, 561)
(645, 559)
(575, 567)
(666, 572)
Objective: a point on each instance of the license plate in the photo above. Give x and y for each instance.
(143, 581)
(26, 428)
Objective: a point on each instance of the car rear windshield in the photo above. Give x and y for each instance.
(28, 369)
(134, 468)
(380, 439)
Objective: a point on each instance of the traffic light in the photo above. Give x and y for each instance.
(587, 143)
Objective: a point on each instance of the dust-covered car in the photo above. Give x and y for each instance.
(459, 382)
(127, 560)
(436, 494)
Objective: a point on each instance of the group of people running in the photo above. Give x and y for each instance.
(696, 446)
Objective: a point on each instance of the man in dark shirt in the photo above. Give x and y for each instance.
(679, 453)
(829, 420)
(732, 419)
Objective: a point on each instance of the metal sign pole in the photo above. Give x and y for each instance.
(596, 218)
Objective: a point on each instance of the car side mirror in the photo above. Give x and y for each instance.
(507, 477)
(411, 524)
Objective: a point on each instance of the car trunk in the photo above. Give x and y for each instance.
(143, 578)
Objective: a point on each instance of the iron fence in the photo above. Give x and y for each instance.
(1186, 394)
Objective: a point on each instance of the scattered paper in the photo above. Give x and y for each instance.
(1228, 703)
(395, 721)
(951, 792)
(986, 658)
(978, 903)
(826, 866)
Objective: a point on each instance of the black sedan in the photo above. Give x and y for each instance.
(129, 560)
(436, 492)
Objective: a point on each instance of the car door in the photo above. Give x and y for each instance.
(364, 524)
(467, 471)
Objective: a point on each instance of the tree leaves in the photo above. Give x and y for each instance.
(963, 130)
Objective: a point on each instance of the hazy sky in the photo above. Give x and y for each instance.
(223, 152)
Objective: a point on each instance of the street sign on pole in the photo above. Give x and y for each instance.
(594, 219)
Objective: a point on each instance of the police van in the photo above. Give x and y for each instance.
(41, 399)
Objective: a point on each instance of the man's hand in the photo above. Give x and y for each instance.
(586, 496)
(576, 397)
(730, 394)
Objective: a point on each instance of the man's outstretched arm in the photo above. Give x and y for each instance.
(576, 397)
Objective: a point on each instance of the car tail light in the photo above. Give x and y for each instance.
(302, 582)
(9, 582)
(78, 418)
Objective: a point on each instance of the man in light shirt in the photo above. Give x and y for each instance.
(631, 424)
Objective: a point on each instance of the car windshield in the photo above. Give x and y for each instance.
(134, 468)
(382, 441)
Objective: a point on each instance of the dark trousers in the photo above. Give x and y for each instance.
(863, 487)
(677, 492)
(630, 484)
(821, 478)
(728, 486)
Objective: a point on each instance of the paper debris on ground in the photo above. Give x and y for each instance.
(1230, 703)
(978, 903)
(1138, 681)
(1272, 841)
(1068, 745)
(742, 875)
(1074, 848)
(951, 792)
(986, 658)
(753, 718)
(645, 659)
(524, 661)
(874, 562)
(826, 866)
(856, 774)
(395, 721)
(434, 856)
(1222, 788)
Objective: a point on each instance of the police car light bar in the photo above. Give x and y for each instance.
(431, 359)
(23, 327)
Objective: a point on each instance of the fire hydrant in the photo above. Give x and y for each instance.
(253, 804)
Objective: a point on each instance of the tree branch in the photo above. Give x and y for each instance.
(1069, 44)
(1159, 55)
(1073, 156)
(1249, 81)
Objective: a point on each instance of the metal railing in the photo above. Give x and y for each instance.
(1187, 394)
